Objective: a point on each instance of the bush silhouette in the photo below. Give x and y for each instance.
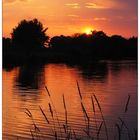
(97, 45)
(29, 35)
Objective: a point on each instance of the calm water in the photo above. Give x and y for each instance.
(24, 87)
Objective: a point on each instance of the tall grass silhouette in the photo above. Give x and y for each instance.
(63, 130)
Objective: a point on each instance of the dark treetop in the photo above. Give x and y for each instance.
(29, 43)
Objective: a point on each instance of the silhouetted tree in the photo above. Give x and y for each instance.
(6, 44)
(29, 35)
(95, 46)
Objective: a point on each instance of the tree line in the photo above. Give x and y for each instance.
(29, 39)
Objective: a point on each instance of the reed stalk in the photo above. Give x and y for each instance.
(36, 128)
(50, 108)
(55, 134)
(87, 118)
(84, 111)
(66, 116)
(69, 132)
(44, 115)
(101, 115)
(51, 111)
(54, 108)
(98, 132)
(32, 135)
(66, 130)
(65, 125)
(125, 111)
(119, 131)
(128, 131)
(127, 103)
(79, 90)
(94, 111)
(28, 112)
(74, 135)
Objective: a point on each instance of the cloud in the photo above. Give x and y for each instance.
(12, 1)
(71, 15)
(94, 6)
(73, 5)
(9, 1)
(76, 7)
(100, 19)
(112, 4)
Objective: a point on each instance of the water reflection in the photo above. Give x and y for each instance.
(8, 67)
(26, 90)
(95, 71)
(30, 77)
(117, 66)
(33, 76)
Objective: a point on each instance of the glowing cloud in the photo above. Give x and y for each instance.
(76, 7)
(73, 5)
(94, 6)
(98, 19)
(11, 1)
(73, 16)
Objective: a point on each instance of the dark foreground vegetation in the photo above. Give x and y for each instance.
(95, 127)
(29, 43)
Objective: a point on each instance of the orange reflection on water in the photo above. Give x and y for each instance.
(59, 85)
(24, 87)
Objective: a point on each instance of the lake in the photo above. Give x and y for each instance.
(112, 82)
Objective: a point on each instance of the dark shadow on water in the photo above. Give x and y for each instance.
(30, 80)
(94, 71)
(9, 67)
(128, 65)
(30, 77)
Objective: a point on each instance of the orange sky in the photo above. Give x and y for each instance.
(71, 16)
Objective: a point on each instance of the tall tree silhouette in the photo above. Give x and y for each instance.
(29, 35)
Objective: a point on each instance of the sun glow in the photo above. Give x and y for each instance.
(88, 30)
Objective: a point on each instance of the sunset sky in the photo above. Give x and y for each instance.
(72, 16)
